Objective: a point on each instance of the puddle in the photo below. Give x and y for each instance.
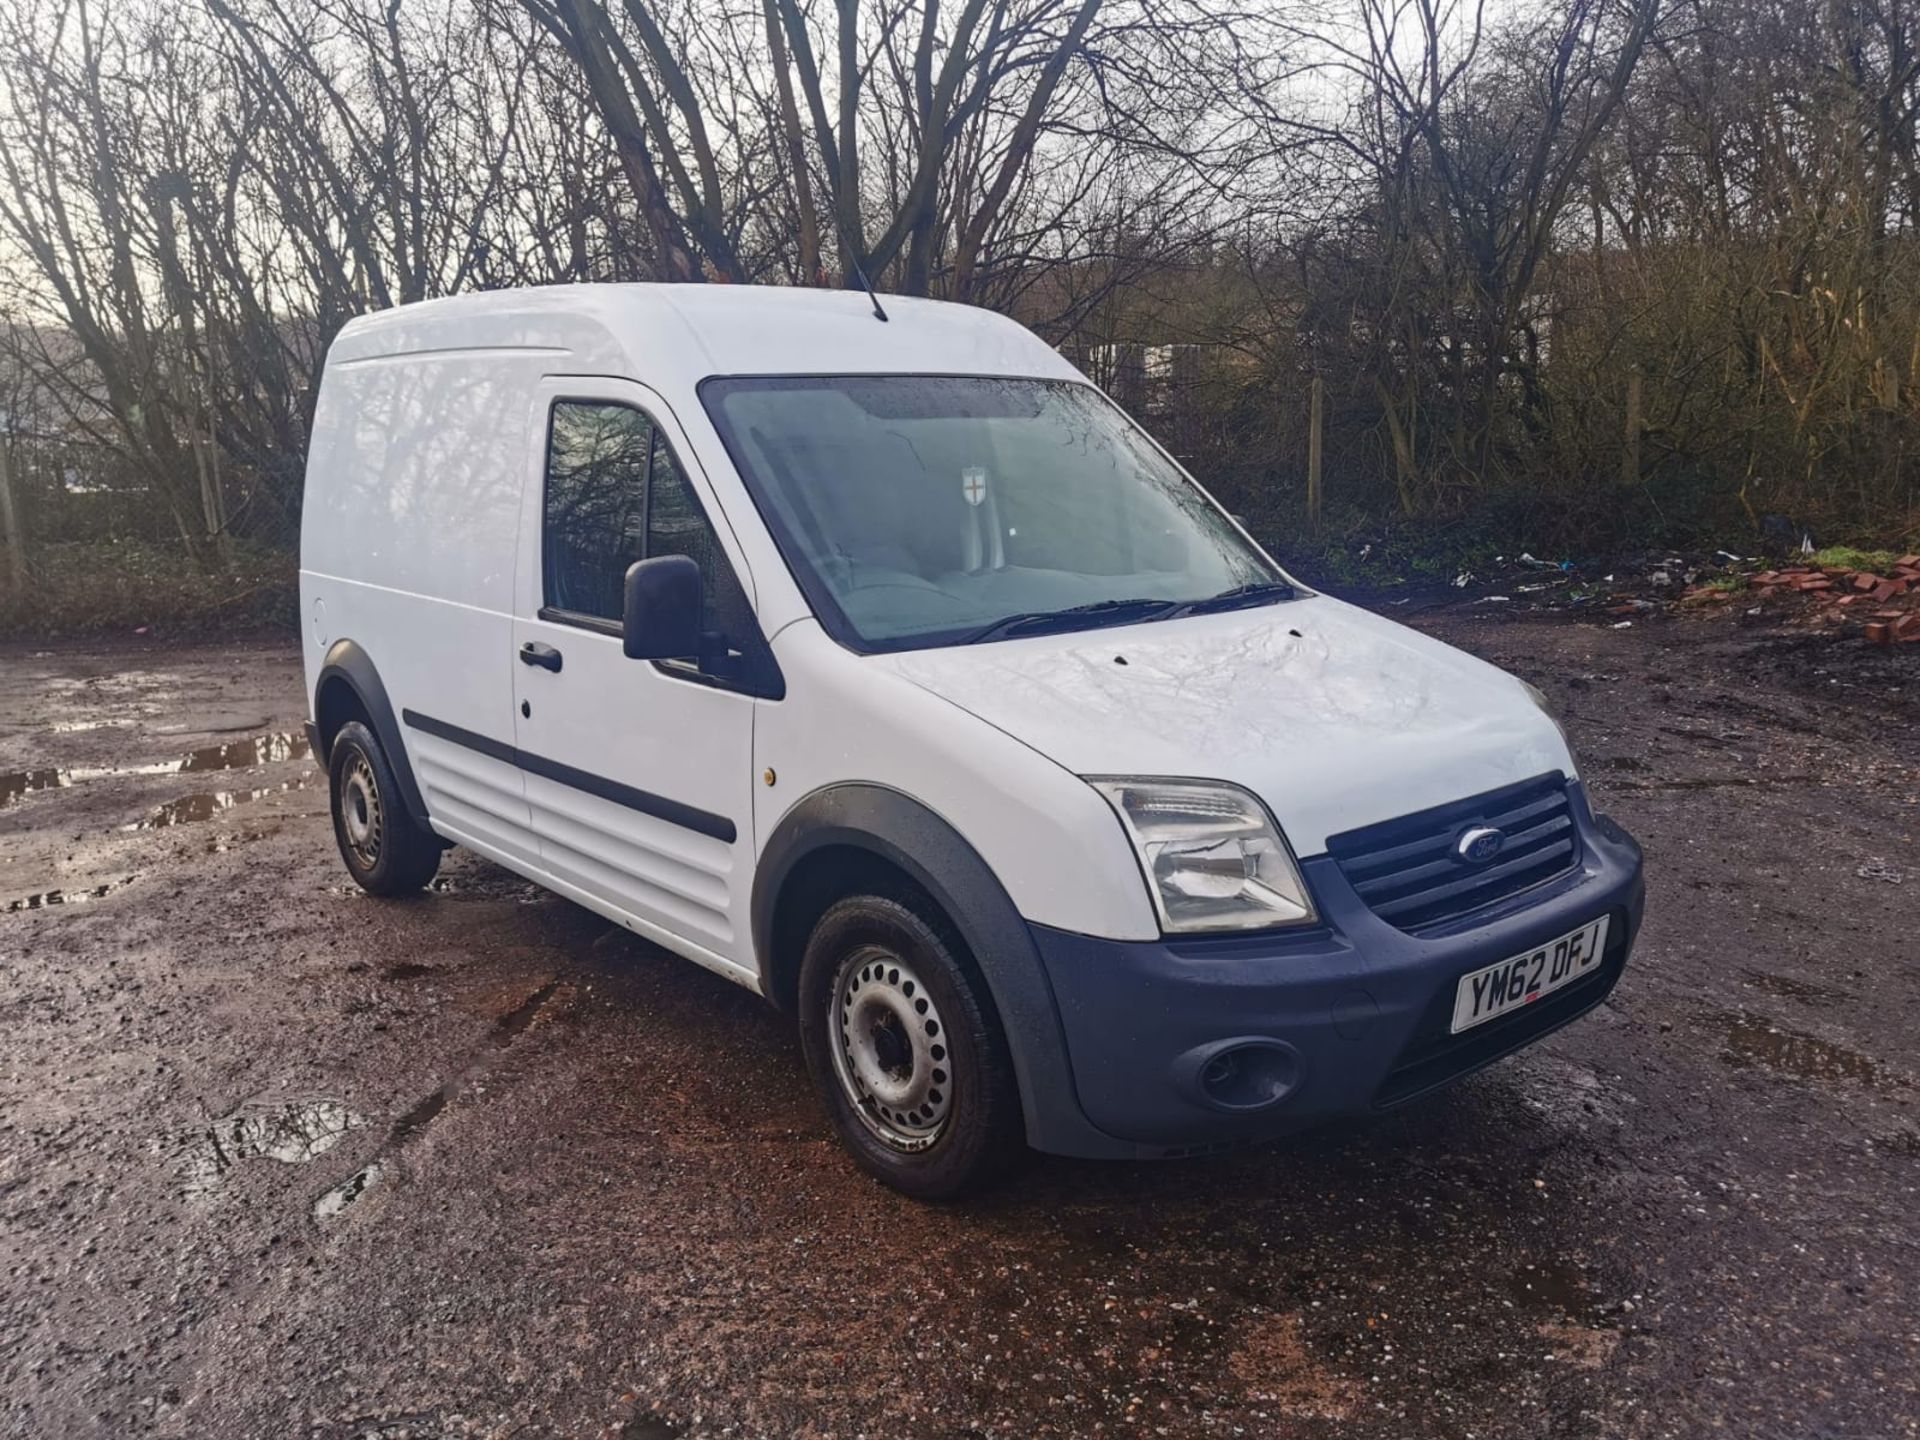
(425, 1111)
(1787, 988)
(1715, 782)
(400, 1427)
(521, 1016)
(1568, 1096)
(418, 1118)
(16, 783)
(1753, 1041)
(1553, 1287)
(234, 755)
(221, 844)
(48, 898)
(649, 1426)
(245, 754)
(292, 1134)
(348, 1190)
(190, 809)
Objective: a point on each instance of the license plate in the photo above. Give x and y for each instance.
(1494, 991)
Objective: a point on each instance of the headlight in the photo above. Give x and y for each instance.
(1213, 857)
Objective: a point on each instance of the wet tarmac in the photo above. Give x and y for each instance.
(278, 1159)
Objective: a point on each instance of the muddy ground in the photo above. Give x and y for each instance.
(276, 1159)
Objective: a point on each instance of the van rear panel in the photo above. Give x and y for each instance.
(415, 482)
(415, 474)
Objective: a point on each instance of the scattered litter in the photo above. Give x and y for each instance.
(1463, 579)
(1624, 625)
(1494, 600)
(1878, 869)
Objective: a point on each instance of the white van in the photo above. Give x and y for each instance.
(873, 659)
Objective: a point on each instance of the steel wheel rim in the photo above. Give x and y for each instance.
(361, 817)
(889, 1048)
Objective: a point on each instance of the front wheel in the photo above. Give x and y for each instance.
(905, 1049)
(386, 853)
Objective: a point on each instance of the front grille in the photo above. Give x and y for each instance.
(1406, 872)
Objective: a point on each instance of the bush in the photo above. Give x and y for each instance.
(83, 587)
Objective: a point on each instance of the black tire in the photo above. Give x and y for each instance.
(385, 852)
(964, 1128)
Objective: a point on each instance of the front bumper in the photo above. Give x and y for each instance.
(1351, 1016)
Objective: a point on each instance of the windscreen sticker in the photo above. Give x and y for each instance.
(973, 484)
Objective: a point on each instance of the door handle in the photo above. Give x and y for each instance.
(545, 656)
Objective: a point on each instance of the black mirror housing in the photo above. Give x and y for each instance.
(663, 603)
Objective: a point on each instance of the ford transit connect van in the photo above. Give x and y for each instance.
(883, 666)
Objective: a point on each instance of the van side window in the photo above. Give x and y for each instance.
(676, 525)
(596, 526)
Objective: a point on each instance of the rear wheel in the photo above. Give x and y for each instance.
(385, 852)
(905, 1049)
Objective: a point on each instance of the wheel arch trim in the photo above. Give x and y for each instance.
(348, 663)
(907, 834)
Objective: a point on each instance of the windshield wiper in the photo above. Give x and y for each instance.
(1261, 592)
(1076, 617)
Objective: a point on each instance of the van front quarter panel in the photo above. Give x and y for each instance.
(1053, 842)
(876, 775)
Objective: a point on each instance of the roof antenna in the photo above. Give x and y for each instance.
(865, 284)
(878, 313)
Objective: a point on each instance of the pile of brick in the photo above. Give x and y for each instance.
(1884, 603)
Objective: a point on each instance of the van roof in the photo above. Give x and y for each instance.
(674, 336)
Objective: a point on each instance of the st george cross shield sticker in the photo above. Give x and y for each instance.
(973, 484)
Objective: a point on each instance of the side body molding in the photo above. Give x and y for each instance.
(894, 827)
(348, 663)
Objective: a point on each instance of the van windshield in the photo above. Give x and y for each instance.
(919, 511)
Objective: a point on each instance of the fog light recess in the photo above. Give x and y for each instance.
(1251, 1073)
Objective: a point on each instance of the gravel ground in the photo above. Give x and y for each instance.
(277, 1159)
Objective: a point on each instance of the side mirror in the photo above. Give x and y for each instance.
(663, 609)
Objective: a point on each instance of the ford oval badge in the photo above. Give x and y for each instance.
(1478, 845)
